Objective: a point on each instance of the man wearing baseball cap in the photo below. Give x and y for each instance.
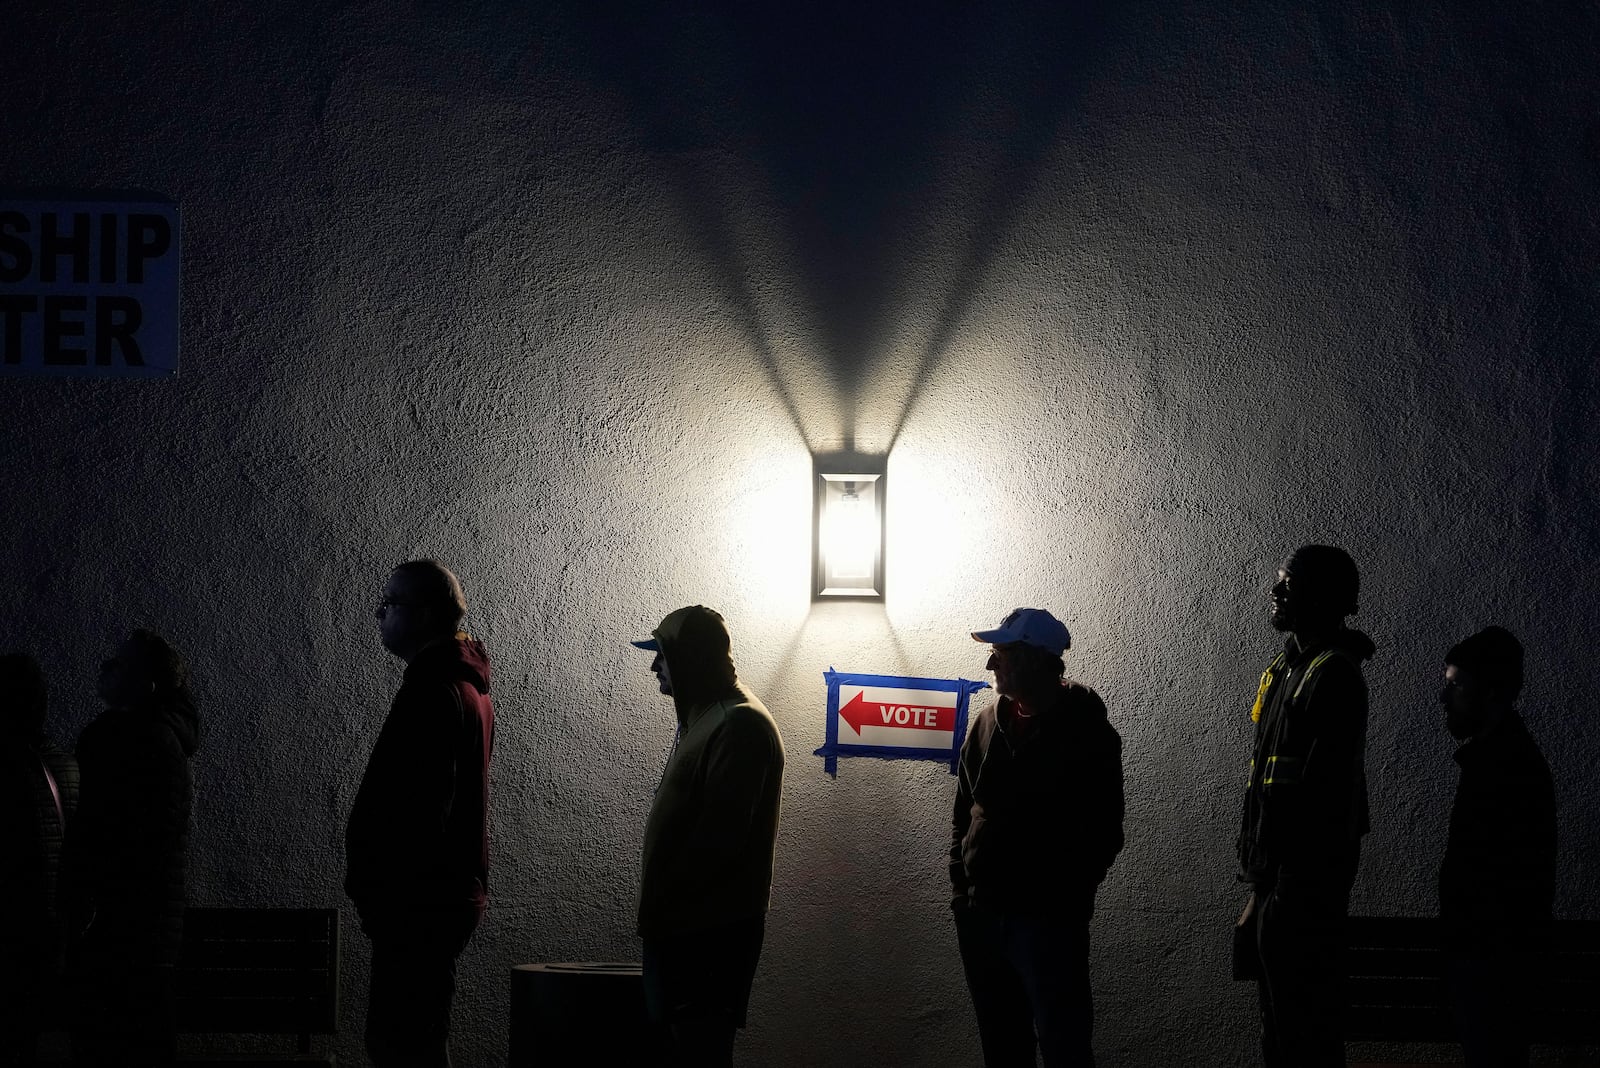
(1037, 824)
(708, 842)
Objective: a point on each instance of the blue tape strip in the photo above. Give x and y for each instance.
(832, 749)
(903, 682)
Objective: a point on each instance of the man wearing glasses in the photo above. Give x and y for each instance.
(417, 846)
(1037, 823)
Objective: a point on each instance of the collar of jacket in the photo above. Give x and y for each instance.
(691, 712)
(1353, 643)
(1486, 747)
(1048, 720)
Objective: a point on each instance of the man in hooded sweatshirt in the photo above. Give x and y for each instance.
(417, 845)
(708, 842)
(1305, 810)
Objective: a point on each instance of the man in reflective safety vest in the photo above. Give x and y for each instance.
(1305, 810)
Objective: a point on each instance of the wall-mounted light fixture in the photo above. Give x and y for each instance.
(848, 527)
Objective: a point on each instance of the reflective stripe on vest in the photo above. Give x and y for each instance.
(1266, 684)
(1282, 769)
(1320, 659)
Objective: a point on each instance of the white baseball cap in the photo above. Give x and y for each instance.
(1030, 626)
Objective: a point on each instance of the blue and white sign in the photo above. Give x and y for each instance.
(89, 285)
(895, 717)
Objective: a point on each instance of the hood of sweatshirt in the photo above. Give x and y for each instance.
(174, 710)
(695, 644)
(1356, 643)
(461, 658)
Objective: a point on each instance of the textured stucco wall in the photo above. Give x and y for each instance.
(1140, 300)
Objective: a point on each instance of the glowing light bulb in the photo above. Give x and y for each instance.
(850, 535)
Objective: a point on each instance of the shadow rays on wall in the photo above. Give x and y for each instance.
(1036, 122)
(710, 225)
(842, 122)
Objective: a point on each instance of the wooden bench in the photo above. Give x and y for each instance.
(270, 974)
(259, 972)
(1398, 992)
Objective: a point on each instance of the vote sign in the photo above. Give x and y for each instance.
(895, 717)
(89, 285)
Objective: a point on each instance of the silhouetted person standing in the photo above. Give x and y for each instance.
(1036, 826)
(1305, 809)
(417, 845)
(1497, 884)
(38, 795)
(708, 843)
(126, 853)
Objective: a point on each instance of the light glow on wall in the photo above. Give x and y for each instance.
(941, 531)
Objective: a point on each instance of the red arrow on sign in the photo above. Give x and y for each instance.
(859, 712)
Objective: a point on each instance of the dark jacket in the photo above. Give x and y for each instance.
(1498, 881)
(712, 831)
(32, 829)
(418, 836)
(128, 845)
(1305, 805)
(1038, 812)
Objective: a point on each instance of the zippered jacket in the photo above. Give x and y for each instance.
(1038, 812)
(1305, 803)
(31, 834)
(1497, 884)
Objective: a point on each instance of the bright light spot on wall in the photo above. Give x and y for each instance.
(762, 513)
(945, 535)
(849, 534)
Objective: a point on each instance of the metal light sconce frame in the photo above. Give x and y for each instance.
(847, 527)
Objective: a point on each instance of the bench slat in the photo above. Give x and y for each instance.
(1398, 992)
(259, 971)
(254, 1016)
(201, 984)
(263, 953)
(1390, 962)
(232, 923)
(1405, 1024)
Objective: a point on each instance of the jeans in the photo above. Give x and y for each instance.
(697, 990)
(1029, 978)
(1489, 993)
(30, 983)
(123, 1014)
(413, 983)
(1300, 934)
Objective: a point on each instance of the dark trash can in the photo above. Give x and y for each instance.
(579, 1014)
